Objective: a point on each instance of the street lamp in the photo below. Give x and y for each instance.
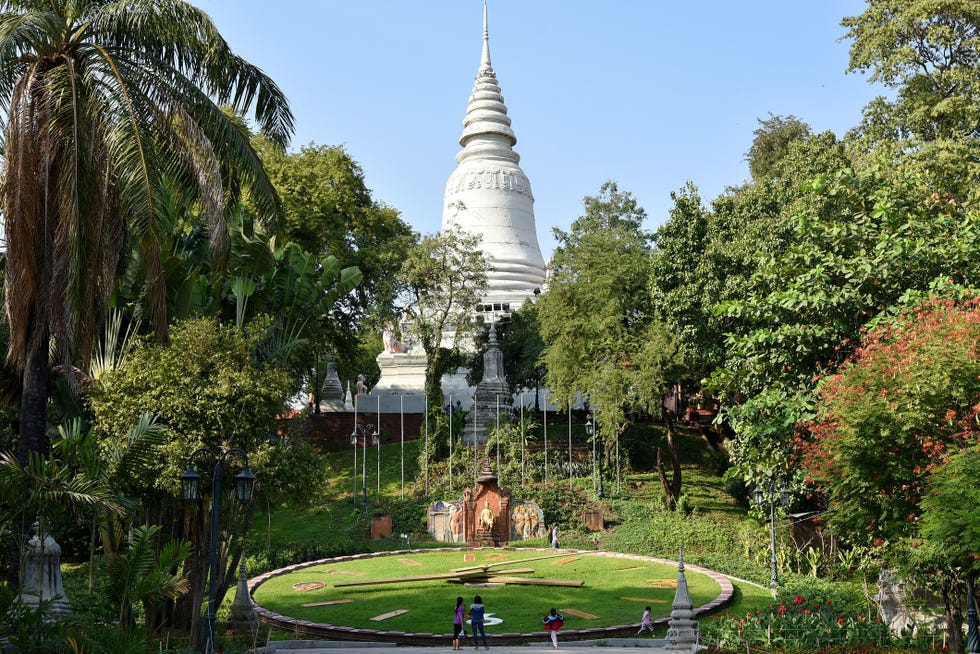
(972, 630)
(190, 483)
(363, 432)
(450, 443)
(353, 441)
(544, 423)
(761, 497)
(498, 441)
(569, 445)
(522, 439)
(592, 429)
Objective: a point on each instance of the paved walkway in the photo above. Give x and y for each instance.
(609, 646)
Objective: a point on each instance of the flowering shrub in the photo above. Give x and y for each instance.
(796, 621)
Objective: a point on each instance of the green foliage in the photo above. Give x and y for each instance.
(206, 386)
(798, 621)
(596, 317)
(870, 243)
(88, 144)
(561, 506)
(949, 519)
(442, 277)
(142, 575)
(772, 140)
(46, 489)
(891, 416)
(329, 211)
(288, 469)
(929, 54)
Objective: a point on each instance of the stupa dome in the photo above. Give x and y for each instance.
(489, 195)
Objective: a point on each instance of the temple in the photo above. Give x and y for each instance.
(489, 195)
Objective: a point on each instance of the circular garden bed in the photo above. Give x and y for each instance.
(601, 594)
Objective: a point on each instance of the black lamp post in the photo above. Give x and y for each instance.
(592, 429)
(190, 483)
(770, 495)
(363, 432)
(353, 441)
(972, 630)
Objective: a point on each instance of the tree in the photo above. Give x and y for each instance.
(329, 211)
(929, 52)
(209, 387)
(870, 243)
(704, 258)
(772, 141)
(887, 423)
(597, 320)
(678, 282)
(104, 100)
(443, 277)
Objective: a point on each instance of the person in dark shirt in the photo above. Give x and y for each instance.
(477, 611)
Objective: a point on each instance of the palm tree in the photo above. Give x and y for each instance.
(102, 100)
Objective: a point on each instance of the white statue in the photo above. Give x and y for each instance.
(391, 344)
(486, 517)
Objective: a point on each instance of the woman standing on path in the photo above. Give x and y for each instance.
(477, 610)
(458, 622)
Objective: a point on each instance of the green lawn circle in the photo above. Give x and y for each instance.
(616, 589)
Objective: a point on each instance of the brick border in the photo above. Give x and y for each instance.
(337, 632)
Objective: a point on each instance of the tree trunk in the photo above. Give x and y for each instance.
(672, 489)
(33, 435)
(954, 617)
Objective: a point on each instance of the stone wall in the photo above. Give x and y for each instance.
(330, 432)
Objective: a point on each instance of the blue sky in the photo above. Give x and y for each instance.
(649, 93)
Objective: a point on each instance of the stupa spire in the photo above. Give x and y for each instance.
(485, 58)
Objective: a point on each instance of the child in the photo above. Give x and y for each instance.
(645, 623)
(552, 623)
(458, 622)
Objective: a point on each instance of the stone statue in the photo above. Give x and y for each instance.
(391, 343)
(455, 521)
(41, 586)
(486, 517)
(361, 386)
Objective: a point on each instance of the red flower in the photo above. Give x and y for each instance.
(799, 599)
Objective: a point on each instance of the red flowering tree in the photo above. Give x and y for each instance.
(889, 420)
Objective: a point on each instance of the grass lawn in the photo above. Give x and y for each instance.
(615, 591)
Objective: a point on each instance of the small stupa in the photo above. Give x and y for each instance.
(682, 630)
(492, 401)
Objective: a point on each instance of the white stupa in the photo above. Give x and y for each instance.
(489, 195)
